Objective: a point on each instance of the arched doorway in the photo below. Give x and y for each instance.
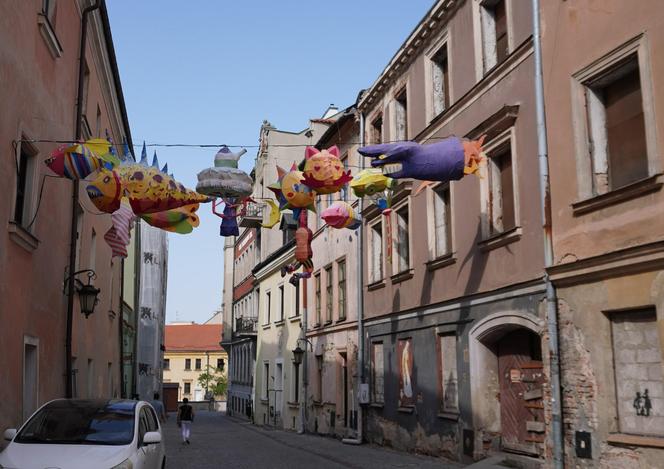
(507, 379)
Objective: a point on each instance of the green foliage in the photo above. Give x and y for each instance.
(216, 382)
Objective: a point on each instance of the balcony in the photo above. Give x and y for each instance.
(245, 326)
(253, 217)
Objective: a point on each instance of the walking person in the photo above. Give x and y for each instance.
(159, 408)
(184, 419)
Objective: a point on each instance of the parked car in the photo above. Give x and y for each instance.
(85, 434)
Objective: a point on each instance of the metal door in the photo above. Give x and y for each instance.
(521, 406)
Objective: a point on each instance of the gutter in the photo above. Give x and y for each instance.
(545, 201)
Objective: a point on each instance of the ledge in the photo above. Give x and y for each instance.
(406, 410)
(293, 405)
(628, 192)
(454, 416)
(279, 322)
(440, 262)
(635, 440)
(49, 36)
(318, 403)
(341, 320)
(295, 318)
(496, 241)
(376, 285)
(266, 326)
(377, 405)
(403, 276)
(327, 323)
(264, 401)
(22, 237)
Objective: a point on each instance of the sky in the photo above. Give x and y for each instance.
(210, 72)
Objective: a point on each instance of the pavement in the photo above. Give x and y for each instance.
(218, 441)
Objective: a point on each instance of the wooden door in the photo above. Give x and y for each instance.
(170, 397)
(521, 378)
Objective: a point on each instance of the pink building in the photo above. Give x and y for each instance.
(39, 57)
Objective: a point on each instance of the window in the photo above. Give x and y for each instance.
(402, 240)
(449, 399)
(319, 378)
(341, 288)
(375, 261)
(377, 379)
(220, 364)
(296, 383)
(93, 249)
(187, 388)
(495, 41)
(500, 191)
(268, 305)
(24, 184)
(288, 235)
(377, 130)
(317, 298)
(442, 220)
(167, 363)
(187, 363)
(617, 133)
(266, 379)
(328, 294)
(297, 299)
(30, 376)
(401, 116)
(440, 80)
(279, 387)
(637, 361)
(84, 96)
(91, 378)
(198, 364)
(281, 302)
(343, 193)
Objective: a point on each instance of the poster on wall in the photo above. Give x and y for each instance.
(405, 357)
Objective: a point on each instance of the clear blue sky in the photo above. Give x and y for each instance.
(212, 71)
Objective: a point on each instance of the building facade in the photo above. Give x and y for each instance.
(39, 58)
(453, 283)
(191, 350)
(604, 96)
(332, 406)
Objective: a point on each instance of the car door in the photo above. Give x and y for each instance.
(153, 426)
(147, 454)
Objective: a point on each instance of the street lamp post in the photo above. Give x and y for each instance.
(298, 359)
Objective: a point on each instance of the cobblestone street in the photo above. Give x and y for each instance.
(218, 441)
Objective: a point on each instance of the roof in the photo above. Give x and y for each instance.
(193, 337)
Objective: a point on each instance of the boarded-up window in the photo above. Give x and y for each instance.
(341, 286)
(501, 190)
(376, 252)
(377, 130)
(328, 294)
(440, 80)
(401, 116)
(637, 356)
(405, 363)
(616, 126)
(448, 374)
(377, 376)
(442, 216)
(402, 240)
(318, 297)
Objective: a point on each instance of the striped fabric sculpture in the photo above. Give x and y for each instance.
(118, 235)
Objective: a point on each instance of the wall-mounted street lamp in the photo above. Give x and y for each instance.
(87, 293)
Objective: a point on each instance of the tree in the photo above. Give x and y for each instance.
(213, 381)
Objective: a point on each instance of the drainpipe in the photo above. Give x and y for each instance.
(360, 306)
(545, 200)
(74, 205)
(303, 336)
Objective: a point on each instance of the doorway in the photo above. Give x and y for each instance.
(521, 377)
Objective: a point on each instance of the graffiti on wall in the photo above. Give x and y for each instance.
(405, 357)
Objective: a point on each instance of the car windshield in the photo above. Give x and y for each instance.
(77, 423)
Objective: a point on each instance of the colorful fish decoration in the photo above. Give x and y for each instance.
(74, 162)
(180, 220)
(341, 215)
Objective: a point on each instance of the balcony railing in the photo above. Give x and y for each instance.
(245, 326)
(253, 217)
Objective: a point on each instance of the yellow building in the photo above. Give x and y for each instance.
(192, 349)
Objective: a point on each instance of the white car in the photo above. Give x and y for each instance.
(87, 434)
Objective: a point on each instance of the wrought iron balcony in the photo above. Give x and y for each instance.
(245, 326)
(253, 217)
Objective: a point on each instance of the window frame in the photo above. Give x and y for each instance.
(318, 298)
(400, 96)
(432, 193)
(184, 388)
(374, 399)
(329, 294)
(187, 364)
(268, 306)
(282, 302)
(198, 364)
(496, 143)
(441, 372)
(342, 282)
(485, 24)
(637, 45)
(443, 42)
(25, 151)
(167, 364)
(405, 204)
(373, 278)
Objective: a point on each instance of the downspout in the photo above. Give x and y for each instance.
(137, 298)
(545, 201)
(120, 328)
(360, 307)
(69, 376)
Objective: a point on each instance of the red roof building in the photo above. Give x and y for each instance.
(193, 337)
